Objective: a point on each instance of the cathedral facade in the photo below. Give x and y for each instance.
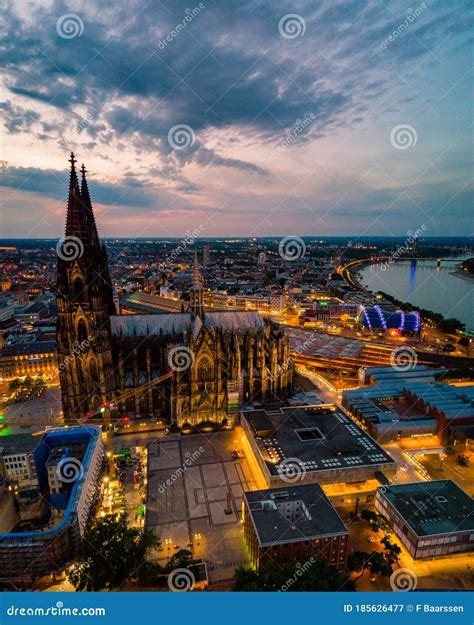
(185, 368)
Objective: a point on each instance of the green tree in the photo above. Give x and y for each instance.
(462, 460)
(392, 550)
(111, 554)
(182, 559)
(379, 564)
(14, 385)
(358, 561)
(311, 576)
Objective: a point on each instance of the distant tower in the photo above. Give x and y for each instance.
(262, 258)
(196, 299)
(206, 256)
(85, 303)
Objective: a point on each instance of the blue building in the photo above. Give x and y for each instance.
(395, 323)
(26, 556)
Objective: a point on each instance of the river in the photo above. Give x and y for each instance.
(424, 284)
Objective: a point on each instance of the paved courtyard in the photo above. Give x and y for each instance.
(195, 488)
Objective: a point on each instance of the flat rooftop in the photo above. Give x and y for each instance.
(320, 437)
(281, 515)
(431, 508)
(14, 444)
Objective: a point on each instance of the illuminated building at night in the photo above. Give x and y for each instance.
(292, 524)
(219, 359)
(430, 518)
(320, 444)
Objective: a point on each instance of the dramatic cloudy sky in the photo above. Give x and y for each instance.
(301, 117)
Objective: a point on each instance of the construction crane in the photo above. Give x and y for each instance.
(122, 397)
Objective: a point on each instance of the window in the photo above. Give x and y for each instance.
(78, 290)
(82, 333)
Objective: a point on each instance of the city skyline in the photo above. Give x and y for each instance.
(261, 120)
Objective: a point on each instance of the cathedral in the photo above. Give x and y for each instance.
(189, 368)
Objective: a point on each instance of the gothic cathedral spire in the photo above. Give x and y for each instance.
(196, 298)
(80, 221)
(85, 303)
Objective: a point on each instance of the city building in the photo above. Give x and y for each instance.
(293, 524)
(403, 404)
(395, 323)
(430, 518)
(19, 454)
(28, 555)
(315, 444)
(206, 256)
(219, 360)
(28, 354)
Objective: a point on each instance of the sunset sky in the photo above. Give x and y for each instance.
(296, 116)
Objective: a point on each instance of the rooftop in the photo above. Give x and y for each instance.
(320, 437)
(290, 514)
(179, 323)
(18, 444)
(431, 508)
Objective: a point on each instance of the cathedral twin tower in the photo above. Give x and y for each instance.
(185, 368)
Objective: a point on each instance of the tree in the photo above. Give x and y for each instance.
(377, 521)
(392, 550)
(379, 564)
(358, 561)
(111, 554)
(312, 576)
(462, 460)
(182, 559)
(14, 385)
